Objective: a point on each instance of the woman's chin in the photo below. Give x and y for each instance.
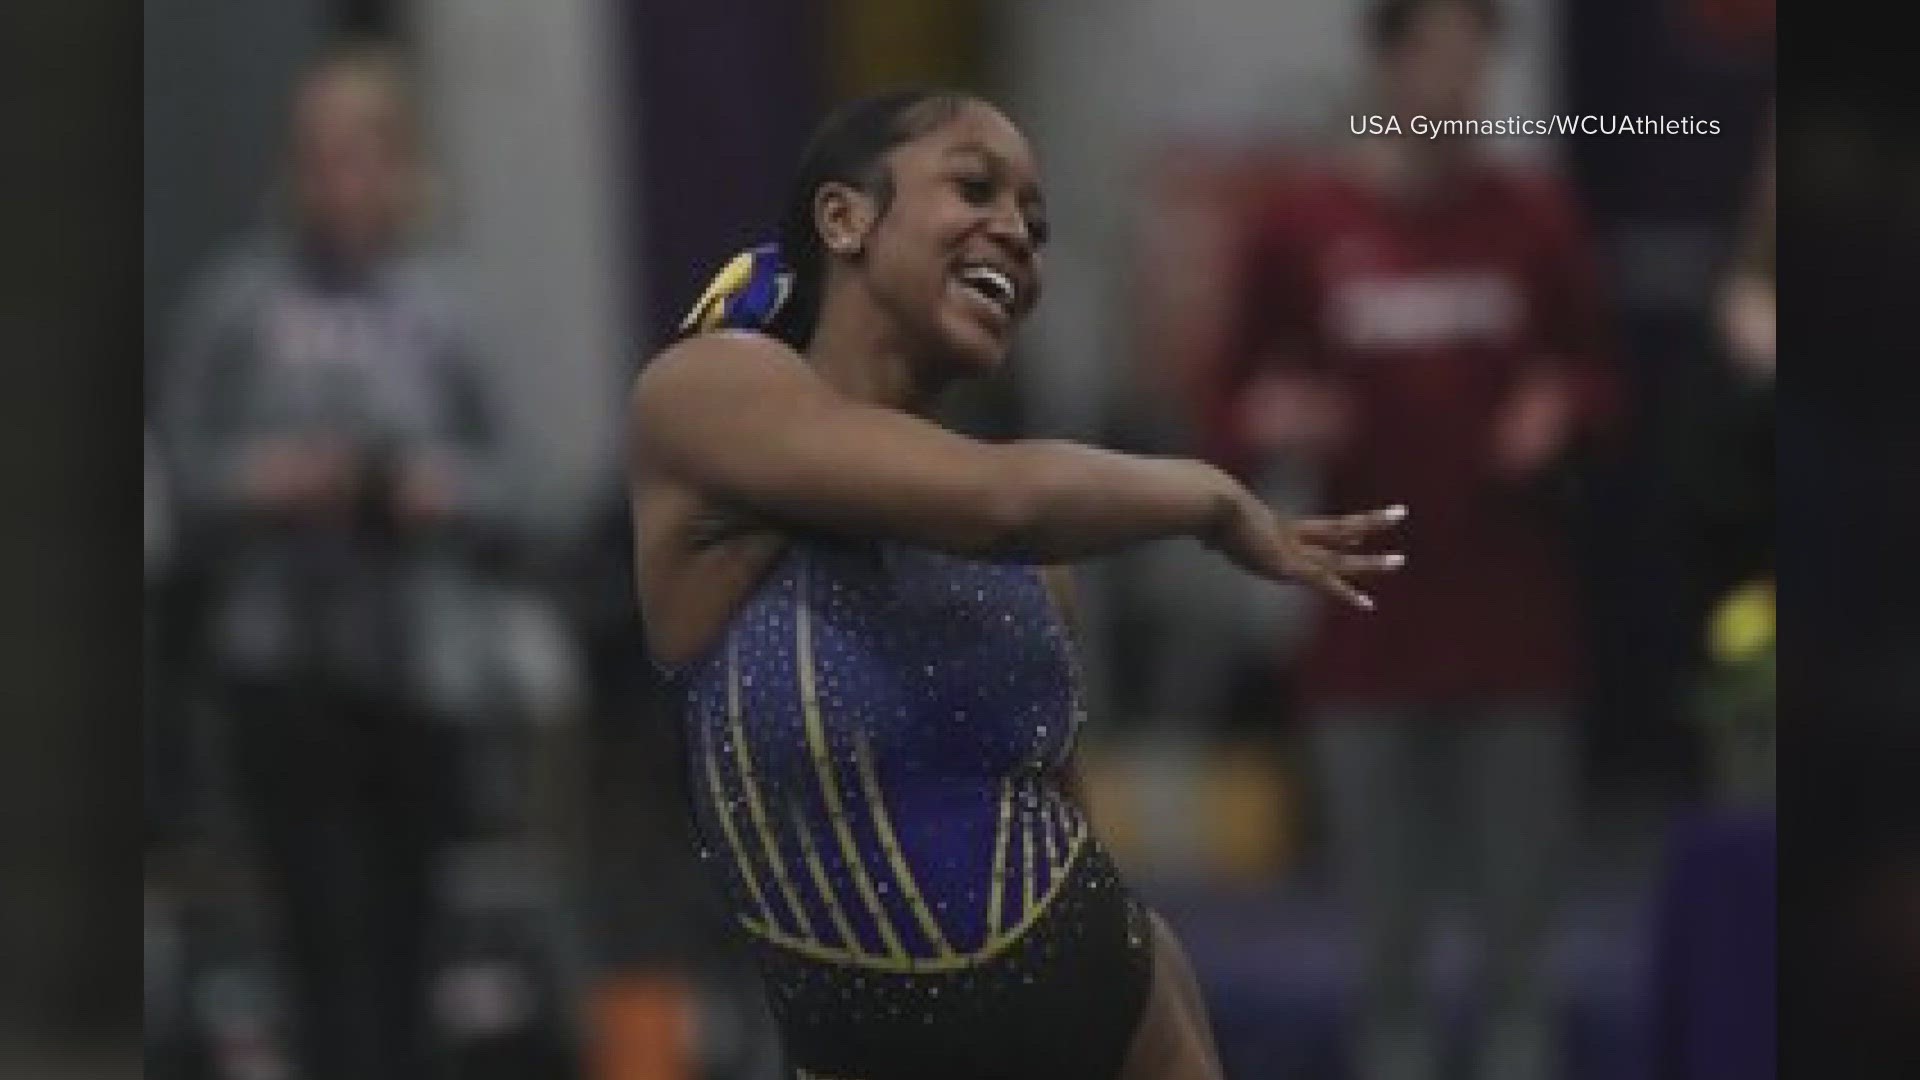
(977, 350)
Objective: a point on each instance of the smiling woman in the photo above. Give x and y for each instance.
(960, 187)
(881, 702)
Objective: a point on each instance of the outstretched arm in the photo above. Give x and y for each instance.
(742, 419)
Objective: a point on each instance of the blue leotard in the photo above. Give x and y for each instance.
(874, 747)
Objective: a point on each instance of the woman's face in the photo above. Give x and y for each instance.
(1439, 68)
(353, 173)
(955, 257)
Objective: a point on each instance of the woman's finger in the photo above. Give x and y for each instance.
(1316, 568)
(1349, 564)
(1350, 529)
(1340, 587)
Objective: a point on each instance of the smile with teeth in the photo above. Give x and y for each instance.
(991, 285)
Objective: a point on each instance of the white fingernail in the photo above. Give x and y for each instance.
(1366, 602)
(1397, 512)
(1396, 560)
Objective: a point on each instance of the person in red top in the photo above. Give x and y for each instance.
(1421, 324)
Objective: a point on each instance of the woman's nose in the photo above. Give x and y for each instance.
(1010, 225)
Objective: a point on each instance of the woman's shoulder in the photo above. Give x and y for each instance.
(717, 362)
(739, 345)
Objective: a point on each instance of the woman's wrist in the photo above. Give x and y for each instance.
(1220, 498)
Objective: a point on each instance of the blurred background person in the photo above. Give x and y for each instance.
(1715, 913)
(1735, 488)
(1747, 317)
(1736, 700)
(1416, 319)
(331, 439)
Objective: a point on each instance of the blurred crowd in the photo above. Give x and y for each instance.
(413, 799)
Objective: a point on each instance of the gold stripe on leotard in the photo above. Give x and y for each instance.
(895, 959)
(823, 883)
(1026, 854)
(997, 870)
(994, 945)
(823, 766)
(1073, 820)
(1053, 851)
(740, 857)
(883, 825)
(756, 810)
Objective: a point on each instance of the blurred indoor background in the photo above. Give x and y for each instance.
(449, 718)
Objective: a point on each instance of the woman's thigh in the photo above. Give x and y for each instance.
(1174, 1040)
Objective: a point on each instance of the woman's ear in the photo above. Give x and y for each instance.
(843, 214)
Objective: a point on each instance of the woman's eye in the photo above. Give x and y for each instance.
(976, 189)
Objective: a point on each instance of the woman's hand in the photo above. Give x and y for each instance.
(1749, 324)
(1321, 551)
(1535, 427)
(424, 492)
(313, 477)
(1282, 413)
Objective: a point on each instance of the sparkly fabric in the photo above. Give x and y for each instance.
(1061, 1003)
(872, 747)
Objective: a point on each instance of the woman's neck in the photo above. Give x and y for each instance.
(1409, 172)
(860, 353)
